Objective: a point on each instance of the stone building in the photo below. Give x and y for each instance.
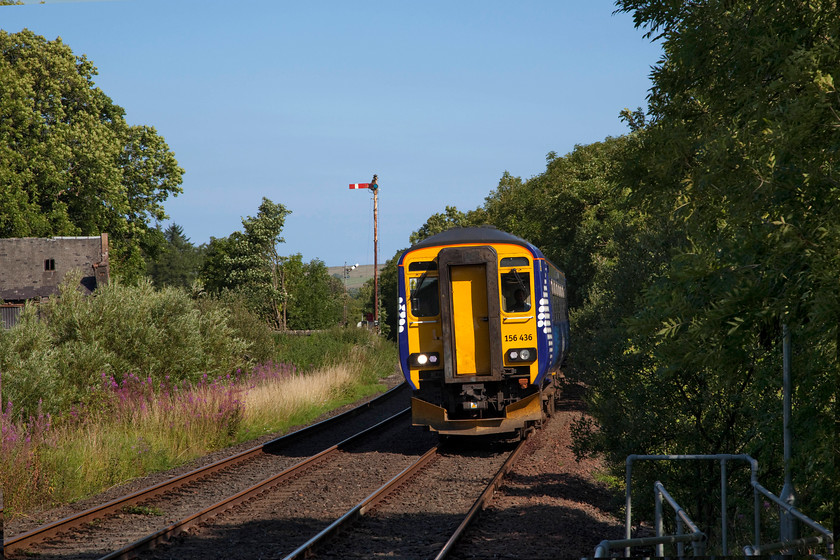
(31, 268)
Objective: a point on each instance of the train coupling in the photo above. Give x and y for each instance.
(473, 396)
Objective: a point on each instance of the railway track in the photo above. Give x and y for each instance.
(417, 513)
(387, 489)
(227, 477)
(405, 520)
(293, 504)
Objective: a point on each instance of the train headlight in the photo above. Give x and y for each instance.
(426, 359)
(522, 354)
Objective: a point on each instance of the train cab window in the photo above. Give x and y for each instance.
(516, 292)
(514, 261)
(422, 265)
(425, 301)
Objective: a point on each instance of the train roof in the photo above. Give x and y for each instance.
(469, 235)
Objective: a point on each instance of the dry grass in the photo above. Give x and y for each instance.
(271, 406)
(140, 429)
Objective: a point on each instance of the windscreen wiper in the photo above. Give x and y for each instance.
(521, 283)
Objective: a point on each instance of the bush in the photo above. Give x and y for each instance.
(60, 349)
(245, 323)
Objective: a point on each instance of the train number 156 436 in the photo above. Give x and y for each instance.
(518, 337)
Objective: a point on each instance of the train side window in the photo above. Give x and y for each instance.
(425, 301)
(516, 291)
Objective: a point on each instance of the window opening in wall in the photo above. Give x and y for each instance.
(49, 264)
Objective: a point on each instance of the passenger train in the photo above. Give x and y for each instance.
(483, 330)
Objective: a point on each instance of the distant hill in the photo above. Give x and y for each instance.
(356, 277)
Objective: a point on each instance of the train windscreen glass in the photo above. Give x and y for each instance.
(516, 291)
(424, 296)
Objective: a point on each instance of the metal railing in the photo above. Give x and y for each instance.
(824, 538)
(695, 536)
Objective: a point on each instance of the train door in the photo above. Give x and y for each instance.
(470, 321)
(470, 318)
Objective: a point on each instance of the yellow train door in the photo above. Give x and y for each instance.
(470, 319)
(470, 316)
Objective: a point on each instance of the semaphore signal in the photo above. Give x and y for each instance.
(373, 186)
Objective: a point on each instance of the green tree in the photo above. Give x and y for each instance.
(218, 260)
(69, 162)
(315, 298)
(178, 263)
(738, 162)
(574, 211)
(248, 262)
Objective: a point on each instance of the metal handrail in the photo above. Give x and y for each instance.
(723, 458)
(788, 529)
(750, 550)
(695, 536)
(603, 548)
(826, 537)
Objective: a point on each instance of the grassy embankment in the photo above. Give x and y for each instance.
(70, 430)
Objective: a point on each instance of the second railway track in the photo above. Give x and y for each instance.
(296, 500)
(422, 512)
(90, 533)
(306, 498)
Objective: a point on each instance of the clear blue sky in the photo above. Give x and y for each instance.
(295, 100)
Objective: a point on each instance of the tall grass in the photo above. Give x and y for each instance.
(273, 405)
(23, 476)
(138, 427)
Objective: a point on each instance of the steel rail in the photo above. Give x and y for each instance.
(366, 505)
(49, 530)
(481, 502)
(246, 495)
(363, 507)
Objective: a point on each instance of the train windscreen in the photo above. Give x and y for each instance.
(425, 301)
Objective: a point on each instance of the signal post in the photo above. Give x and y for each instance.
(374, 188)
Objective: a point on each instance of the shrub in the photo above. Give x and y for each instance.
(119, 331)
(245, 324)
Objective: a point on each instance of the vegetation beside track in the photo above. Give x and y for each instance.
(102, 390)
(689, 242)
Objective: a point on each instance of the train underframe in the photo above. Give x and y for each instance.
(509, 405)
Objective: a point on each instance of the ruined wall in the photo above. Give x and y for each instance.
(33, 267)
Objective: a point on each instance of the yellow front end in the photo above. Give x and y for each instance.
(486, 335)
(517, 416)
(423, 311)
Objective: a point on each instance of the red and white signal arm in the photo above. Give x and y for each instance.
(359, 185)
